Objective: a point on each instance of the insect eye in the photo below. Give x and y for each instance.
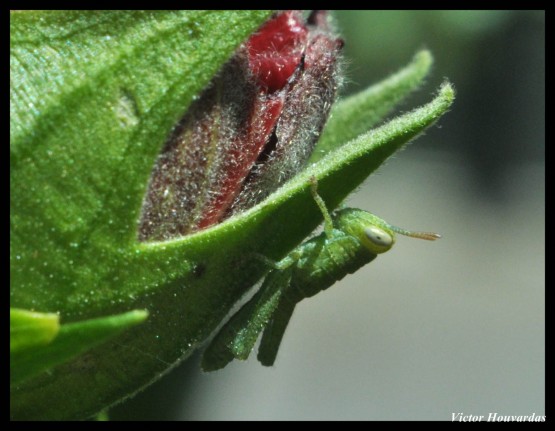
(378, 236)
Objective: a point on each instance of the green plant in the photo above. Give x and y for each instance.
(94, 96)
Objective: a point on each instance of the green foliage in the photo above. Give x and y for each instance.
(38, 350)
(30, 329)
(358, 113)
(94, 96)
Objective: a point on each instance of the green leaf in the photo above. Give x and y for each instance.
(94, 96)
(358, 113)
(30, 329)
(72, 340)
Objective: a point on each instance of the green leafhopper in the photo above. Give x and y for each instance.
(351, 239)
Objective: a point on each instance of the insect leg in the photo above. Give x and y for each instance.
(273, 333)
(328, 223)
(237, 337)
(284, 263)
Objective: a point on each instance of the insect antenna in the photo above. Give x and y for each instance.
(429, 236)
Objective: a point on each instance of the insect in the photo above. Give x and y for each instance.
(351, 239)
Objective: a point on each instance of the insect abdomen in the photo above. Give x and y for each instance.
(326, 261)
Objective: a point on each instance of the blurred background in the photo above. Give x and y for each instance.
(428, 329)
